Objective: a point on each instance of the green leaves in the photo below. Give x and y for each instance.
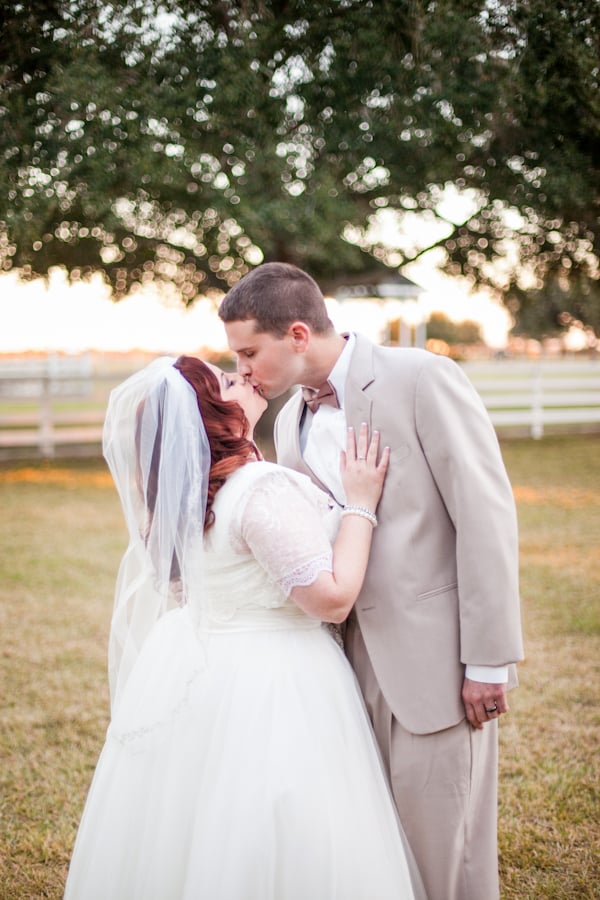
(190, 140)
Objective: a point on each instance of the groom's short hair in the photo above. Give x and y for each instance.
(276, 294)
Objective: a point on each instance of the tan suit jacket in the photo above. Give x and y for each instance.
(441, 588)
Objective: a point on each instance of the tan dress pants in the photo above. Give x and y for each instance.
(445, 788)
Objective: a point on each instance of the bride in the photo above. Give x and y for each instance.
(239, 763)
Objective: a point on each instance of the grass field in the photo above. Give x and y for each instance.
(61, 537)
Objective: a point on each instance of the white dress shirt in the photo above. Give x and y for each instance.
(323, 434)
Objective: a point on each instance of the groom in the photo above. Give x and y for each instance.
(436, 628)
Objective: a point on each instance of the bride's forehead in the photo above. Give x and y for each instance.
(214, 369)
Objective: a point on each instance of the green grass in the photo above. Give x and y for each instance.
(61, 538)
(550, 768)
(61, 541)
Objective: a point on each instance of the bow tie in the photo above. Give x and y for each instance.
(313, 397)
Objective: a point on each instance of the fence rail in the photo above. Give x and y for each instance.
(538, 395)
(57, 407)
(52, 407)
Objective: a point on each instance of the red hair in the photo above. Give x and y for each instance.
(225, 423)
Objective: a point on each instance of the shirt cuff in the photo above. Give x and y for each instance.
(487, 674)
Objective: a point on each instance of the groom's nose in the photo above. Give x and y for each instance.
(243, 368)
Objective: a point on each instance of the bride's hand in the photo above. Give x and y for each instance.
(363, 473)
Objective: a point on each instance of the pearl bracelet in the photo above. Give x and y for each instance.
(360, 511)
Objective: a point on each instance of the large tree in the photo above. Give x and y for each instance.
(188, 141)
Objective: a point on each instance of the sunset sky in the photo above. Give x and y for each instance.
(75, 318)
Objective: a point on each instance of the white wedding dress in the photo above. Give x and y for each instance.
(239, 763)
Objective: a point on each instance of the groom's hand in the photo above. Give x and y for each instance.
(483, 702)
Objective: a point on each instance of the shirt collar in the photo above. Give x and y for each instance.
(339, 373)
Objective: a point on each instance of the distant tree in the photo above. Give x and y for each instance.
(441, 328)
(560, 303)
(187, 140)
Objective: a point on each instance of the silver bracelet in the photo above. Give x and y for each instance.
(360, 511)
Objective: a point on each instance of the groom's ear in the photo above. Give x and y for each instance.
(299, 334)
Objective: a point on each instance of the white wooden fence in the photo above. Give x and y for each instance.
(56, 406)
(51, 406)
(537, 395)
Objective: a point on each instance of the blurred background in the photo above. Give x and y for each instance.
(434, 166)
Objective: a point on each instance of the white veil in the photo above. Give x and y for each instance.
(158, 453)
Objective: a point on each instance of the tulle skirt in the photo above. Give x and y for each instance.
(240, 766)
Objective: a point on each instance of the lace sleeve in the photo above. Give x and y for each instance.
(283, 529)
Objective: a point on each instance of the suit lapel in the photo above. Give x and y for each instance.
(358, 404)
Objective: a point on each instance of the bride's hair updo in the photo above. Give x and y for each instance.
(225, 423)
